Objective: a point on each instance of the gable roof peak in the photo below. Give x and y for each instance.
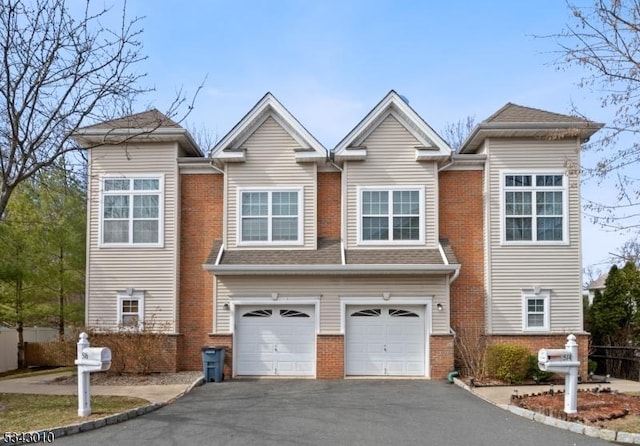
(227, 149)
(398, 105)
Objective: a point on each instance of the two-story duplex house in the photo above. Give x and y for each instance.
(358, 261)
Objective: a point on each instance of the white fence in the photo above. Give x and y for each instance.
(9, 343)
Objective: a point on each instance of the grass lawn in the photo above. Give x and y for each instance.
(26, 412)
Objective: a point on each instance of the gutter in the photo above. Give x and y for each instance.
(334, 269)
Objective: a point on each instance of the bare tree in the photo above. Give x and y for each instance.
(604, 40)
(455, 133)
(628, 252)
(61, 69)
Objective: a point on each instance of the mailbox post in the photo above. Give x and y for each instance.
(565, 362)
(89, 360)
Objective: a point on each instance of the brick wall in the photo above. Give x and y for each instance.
(461, 221)
(225, 341)
(330, 357)
(329, 205)
(441, 355)
(200, 224)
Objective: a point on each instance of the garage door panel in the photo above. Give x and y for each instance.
(385, 341)
(275, 341)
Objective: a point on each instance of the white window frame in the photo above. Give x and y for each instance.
(131, 193)
(269, 216)
(390, 190)
(545, 296)
(533, 189)
(131, 295)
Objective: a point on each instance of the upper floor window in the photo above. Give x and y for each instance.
(132, 211)
(391, 215)
(535, 208)
(271, 216)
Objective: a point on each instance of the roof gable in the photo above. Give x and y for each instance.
(432, 146)
(229, 149)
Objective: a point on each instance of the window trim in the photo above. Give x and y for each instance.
(131, 295)
(131, 193)
(545, 295)
(533, 189)
(390, 189)
(269, 242)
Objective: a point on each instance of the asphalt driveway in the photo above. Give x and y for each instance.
(346, 412)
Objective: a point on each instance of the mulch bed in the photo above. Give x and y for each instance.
(594, 405)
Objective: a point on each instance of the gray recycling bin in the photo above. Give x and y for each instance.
(213, 363)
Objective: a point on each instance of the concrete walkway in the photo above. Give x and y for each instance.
(155, 394)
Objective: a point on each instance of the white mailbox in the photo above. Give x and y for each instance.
(95, 359)
(556, 360)
(563, 361)
(89, 359)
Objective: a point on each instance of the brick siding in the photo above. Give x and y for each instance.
(329, 209)
(330, 357)
(201, 213)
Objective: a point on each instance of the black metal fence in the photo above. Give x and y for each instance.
(619, 362)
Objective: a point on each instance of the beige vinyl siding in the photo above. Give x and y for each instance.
(270, 162)
(153, 270)
(518, 267)
(391, 154)
(329, 290)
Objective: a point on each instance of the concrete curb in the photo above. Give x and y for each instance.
(591, 431)
(49, 435)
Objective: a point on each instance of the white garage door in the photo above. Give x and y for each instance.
(385, 340)
(275, 341)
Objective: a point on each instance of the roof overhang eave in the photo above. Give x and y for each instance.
(95, 137)
(484, 130)
(337, 269)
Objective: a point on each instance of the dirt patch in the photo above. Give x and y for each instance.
(594, 408)
(110, 379)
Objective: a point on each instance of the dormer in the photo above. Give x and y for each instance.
(270, 163)
(390, 162)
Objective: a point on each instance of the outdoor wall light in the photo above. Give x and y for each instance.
(225, 307)
(439, 306)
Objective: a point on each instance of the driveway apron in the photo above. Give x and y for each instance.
(343, 412)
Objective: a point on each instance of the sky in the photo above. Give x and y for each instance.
(330, 62)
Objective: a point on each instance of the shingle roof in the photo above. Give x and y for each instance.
(400, 256)
(328, 253)
(511, 112)
(147, 119)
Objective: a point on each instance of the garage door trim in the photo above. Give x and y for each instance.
(273, 301)
(427, 301)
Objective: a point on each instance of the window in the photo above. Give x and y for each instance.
(132, 211)
(273, 216)
(534, 208)
(535, 311)
(391, 215)
(130, 309)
